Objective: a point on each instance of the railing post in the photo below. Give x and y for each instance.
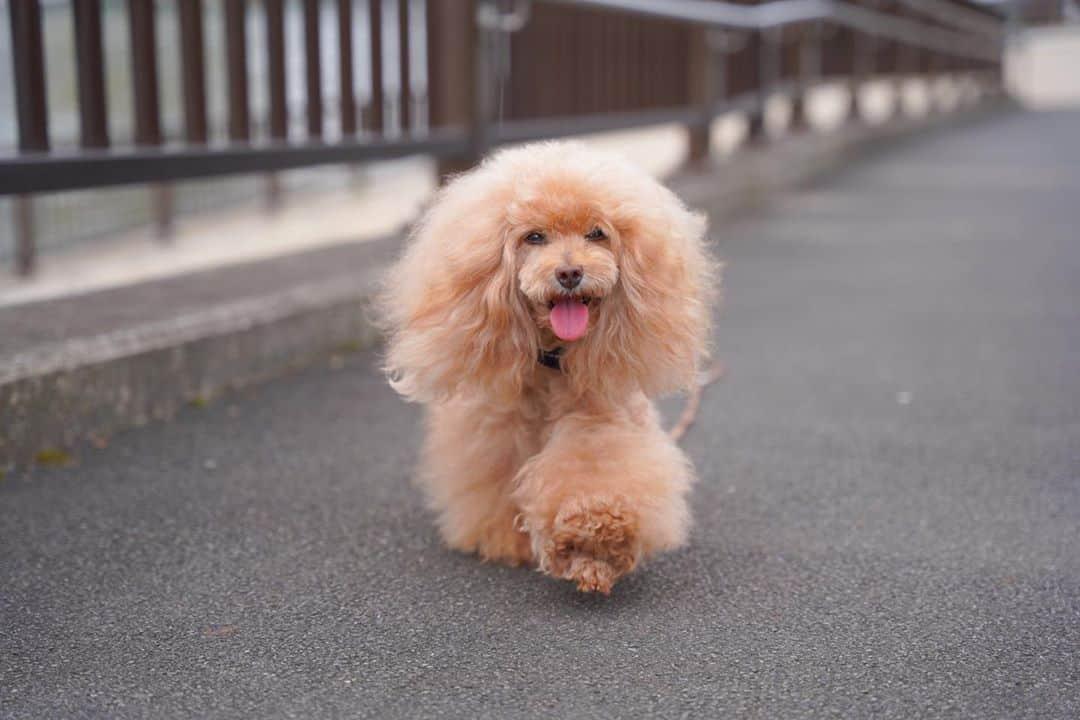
(883, 57)
(768, 60)
(907, 65)
(720, 46)
(237, 75)
(700, 78)
(452, 91)
(146, 102)
(755, 120)
(193, 81)
(809, 74)
(29, 65)
(861, 70)
(933, 78)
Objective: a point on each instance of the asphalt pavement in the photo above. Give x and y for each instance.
(887, 523)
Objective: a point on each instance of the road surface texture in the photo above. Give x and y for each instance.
(887, 521)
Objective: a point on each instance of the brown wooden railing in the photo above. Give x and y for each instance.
(498, 71)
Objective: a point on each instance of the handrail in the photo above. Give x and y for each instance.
(69, 169)
(908, 31)
(961, 17)
(779, 13)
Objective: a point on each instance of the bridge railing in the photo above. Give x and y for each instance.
(498, 71)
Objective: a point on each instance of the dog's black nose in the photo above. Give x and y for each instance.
(569, 276)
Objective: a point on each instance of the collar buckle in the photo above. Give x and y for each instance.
(550, 358)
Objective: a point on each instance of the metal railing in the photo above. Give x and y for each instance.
(498, 71)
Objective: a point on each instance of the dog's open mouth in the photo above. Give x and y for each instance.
(570, 316)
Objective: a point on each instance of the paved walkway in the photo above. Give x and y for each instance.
(888, 518)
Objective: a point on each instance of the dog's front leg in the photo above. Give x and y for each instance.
(469, 460)
(603, 494)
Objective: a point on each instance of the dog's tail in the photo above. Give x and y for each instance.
(707, 377)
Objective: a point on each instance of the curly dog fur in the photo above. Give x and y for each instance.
(568, 470)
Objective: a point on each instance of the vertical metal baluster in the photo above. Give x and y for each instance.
(236, 54)
(89, 65)
(193, 67)
(144, 75)
(376, 107)
(451, 32)
(406, 84)
(279, 111)
(313, 69)
(347, 108)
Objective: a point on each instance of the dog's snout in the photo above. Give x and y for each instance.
(569, 276)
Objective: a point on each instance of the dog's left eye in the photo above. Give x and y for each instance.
(595, 234)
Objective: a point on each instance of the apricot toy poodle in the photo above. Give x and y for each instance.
(540, 304)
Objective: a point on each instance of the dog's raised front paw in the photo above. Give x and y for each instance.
(593, 542)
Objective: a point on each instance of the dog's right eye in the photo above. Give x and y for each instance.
(535, 238)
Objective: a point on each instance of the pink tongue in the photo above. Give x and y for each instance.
(570, 319)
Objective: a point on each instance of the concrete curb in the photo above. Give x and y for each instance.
(60, 395)
(57, 397)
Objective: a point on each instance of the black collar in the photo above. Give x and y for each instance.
(550, 358)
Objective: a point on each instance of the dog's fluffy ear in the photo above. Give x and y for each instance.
(656, 331)
(451, 305)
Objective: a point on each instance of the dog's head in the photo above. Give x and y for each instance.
(543, 246)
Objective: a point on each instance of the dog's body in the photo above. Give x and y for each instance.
(562, 464)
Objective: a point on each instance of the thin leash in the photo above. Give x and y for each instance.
(693, 400)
